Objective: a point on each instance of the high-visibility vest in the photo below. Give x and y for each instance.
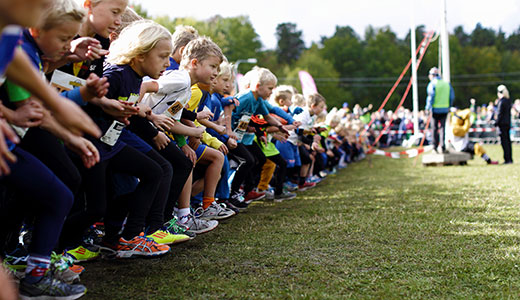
(442, 94)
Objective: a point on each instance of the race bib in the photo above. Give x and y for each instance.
(112, 135)
(66, 82)
(173, 110)
(241, 128)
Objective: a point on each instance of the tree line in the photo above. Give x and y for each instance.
(351, 68)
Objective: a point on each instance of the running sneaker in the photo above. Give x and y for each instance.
(306, 186)
(254, 196)
(314, 179)
(140, 246)
(238, 204)
(175, 227)
(225, 203)
(199, 226)
(291, 187)
(285, 195)
(50, 288)
(83, 253)
(63, 268)
(269, 193)
(165, 237)
(15, 265)
(216, 212)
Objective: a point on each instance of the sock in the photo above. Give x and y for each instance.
(206, 201)
(37, 266)
(183, 215)
(175, 211)
(301, 181)
(486, 157)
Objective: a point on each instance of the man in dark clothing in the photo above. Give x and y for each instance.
(503, 122)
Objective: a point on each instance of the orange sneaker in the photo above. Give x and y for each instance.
(140, 246)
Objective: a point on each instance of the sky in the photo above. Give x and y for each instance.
(320, 18)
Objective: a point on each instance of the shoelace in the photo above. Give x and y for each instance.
(174, 226)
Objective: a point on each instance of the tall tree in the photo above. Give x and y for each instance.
(290, 43)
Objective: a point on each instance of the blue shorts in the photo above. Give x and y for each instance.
(201, 149)
(290, 153)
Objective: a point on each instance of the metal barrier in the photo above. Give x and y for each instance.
(485, 132)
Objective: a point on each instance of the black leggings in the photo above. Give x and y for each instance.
(50, 151)
(254, 159)
(279, 175)
(128, 161)
(43, 193)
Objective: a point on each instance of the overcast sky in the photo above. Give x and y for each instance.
(319, 18)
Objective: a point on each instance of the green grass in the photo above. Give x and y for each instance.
(380, 229)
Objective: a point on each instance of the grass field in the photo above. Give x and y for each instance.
(379, 229)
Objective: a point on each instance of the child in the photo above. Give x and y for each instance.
(200, 61)
(252, 102)
(47, 193)
(310, 141)
(180, 38)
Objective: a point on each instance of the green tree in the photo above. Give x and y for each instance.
(323, 72)
(290, 43)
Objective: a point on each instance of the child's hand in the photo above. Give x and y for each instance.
(220, 129)
(86, 48)
(197, 132)
(97, 87)
(72, 117)
(297, 123)
(315, 146)
(161, 140)
(120, 110)
(280, 137)
(316, 138)
(204, 115)
(163, 122)
(85, 149)
(263, 140)
(251, 129)
(28, 115)
(231, 143)
(233, 136)
(144, 110)
(189, 153)
(223, 149)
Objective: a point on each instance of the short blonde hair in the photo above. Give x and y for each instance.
(226, 69)
(299, 100)
(315, 99)
(62, 11)
(183, 35)
(200, 48)
(281, 93)
(128, 17)
(137, 39)
(262, 76)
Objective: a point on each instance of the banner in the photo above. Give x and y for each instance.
(308, 85)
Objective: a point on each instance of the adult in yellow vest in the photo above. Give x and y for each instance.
(439, 100)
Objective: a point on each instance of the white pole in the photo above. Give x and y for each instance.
(415, 93)
(445, 45)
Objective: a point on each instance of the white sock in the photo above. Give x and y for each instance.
(182, 214)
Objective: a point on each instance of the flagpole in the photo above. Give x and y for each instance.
(415, 93)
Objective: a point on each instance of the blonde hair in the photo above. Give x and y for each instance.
(502, 90)
(137, 39)
(315, 99)
(262, 76)
(183, 35)
(62, 11)
(226, 69)
(200, 49)
(299, 100)
(281, 93)
(128, 17)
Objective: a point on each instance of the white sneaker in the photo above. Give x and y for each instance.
(199, 226)
(216, 212)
